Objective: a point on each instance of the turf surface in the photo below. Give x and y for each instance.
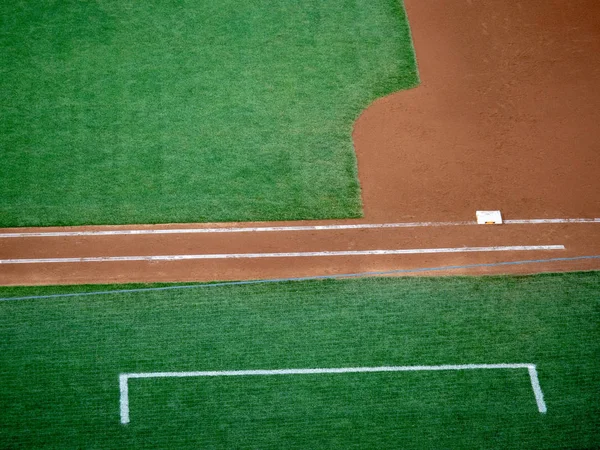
(189, 111)
(60, 360)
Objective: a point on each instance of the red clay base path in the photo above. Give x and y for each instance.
(507, 118)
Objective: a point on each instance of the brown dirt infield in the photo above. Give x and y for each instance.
(507, 117)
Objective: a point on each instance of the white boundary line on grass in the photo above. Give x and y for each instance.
(124, 377)
(281, 255)
(282, 228)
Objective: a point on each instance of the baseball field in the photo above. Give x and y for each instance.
(224, 224)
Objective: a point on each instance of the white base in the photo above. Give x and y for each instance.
(489, 217)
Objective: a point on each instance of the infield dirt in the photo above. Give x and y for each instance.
(506, 118)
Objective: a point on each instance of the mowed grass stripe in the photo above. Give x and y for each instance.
(60, 363)
(153, 112)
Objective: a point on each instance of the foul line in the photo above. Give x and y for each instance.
(294, 279)
(283, 228)
(124, 377)
(282, 255)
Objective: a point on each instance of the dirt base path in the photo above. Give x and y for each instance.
(506, 118)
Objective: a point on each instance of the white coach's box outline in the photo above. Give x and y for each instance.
(124, 377)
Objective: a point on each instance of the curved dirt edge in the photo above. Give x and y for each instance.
(505, 118)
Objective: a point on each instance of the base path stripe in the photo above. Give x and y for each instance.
(125, 377)
(360, 226)
(548, 221)
(283, 255)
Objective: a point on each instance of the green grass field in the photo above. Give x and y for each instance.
(60, 361)
(149, 112)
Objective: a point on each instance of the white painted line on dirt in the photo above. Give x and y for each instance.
(124, 377)
(361, 226)
(236, 229)
(282, 255)
(542, 221)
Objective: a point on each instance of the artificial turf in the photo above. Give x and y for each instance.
(189, 111)
(60, 360)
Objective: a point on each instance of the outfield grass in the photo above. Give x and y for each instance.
(60, 361)
(189, 111)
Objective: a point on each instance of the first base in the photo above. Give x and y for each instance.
(488, 217)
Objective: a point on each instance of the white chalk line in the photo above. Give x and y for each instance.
(283, 228)
(282, 255)
(124, 377)
(537, 389)
(548, 221)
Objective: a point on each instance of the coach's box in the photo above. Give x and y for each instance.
(488, 217)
